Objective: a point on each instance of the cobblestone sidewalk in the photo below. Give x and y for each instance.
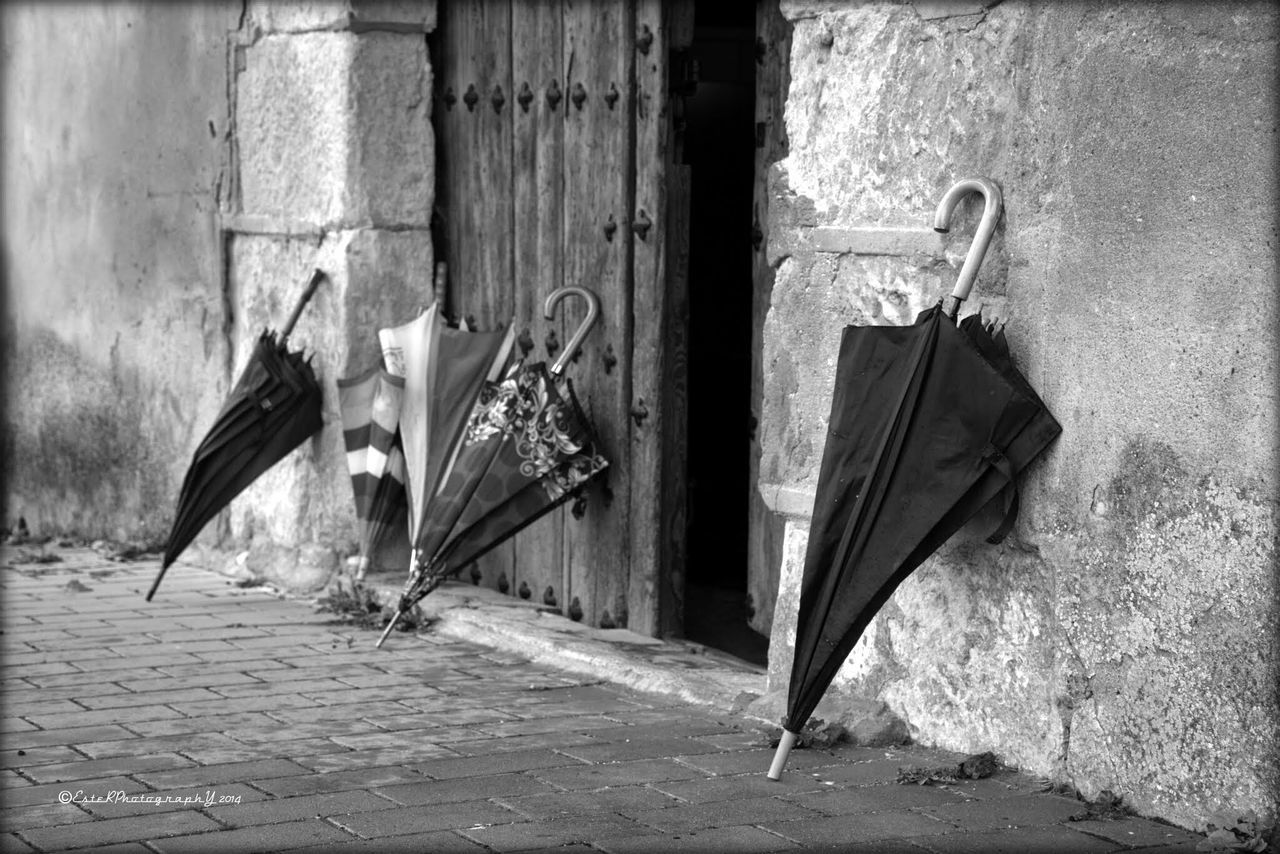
(223, 719)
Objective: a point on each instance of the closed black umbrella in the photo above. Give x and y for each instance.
(929, 423)
(273, 408)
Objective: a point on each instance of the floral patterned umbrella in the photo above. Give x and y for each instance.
(527, 448)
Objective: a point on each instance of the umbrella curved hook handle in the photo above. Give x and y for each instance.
(994, 203)
(593, 312)
(314, 283)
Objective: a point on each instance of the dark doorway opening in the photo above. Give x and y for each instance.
(719, 148)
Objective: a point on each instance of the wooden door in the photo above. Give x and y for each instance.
(553, 133)
(764, 539)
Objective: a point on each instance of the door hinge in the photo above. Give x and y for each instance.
(684, 73)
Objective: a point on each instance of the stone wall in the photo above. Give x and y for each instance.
(115, 345)
(172, 174)
(1125, 637)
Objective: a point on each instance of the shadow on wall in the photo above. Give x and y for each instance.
(94, 473)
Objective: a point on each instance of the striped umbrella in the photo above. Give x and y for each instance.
(370, 404)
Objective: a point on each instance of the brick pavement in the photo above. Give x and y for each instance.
(222, 719)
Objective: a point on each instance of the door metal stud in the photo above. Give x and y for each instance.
(642, 224)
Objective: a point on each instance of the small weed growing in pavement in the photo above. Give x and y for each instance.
(1108, 805)
(1241, 833)
(130, 551)
(42, 556)
(816, 733)
(973, 767)
(359, 605)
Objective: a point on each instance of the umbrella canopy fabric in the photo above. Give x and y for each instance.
(928, 424)
(528, 447)
(273, 408)
(443, 370)
(370, 404)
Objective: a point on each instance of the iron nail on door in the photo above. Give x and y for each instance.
(642, 224)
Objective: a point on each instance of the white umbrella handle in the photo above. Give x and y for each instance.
(593, 311)
(785, 744)
(994, 203)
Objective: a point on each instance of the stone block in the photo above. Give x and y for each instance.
(271, 837)
(97, 834)
(333, 128)
(932, 9)
(294, 127)
(271, 16)
(304, 569)
(395, 822)
(845, 831)
(392, 162)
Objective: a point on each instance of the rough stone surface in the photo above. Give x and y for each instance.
(334, 129)
(1125, 636)
(113, 346)
(400, 15)
(292, 126)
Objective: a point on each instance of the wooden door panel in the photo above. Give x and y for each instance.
(537, 197)
(478, 177)
(554, 171)
(764, 532)
(598, 114)
(649, 358)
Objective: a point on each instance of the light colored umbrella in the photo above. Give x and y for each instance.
(444, 370)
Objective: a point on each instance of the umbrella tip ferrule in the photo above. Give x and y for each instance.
(387, 631)
(785, 743)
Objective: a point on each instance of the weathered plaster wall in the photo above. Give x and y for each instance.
(172, 174)
(1126, 636)
(113, 128)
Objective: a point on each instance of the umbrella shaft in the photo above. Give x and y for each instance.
(302, 303)
(155, 585)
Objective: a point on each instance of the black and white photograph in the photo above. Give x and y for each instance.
(639, 426)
